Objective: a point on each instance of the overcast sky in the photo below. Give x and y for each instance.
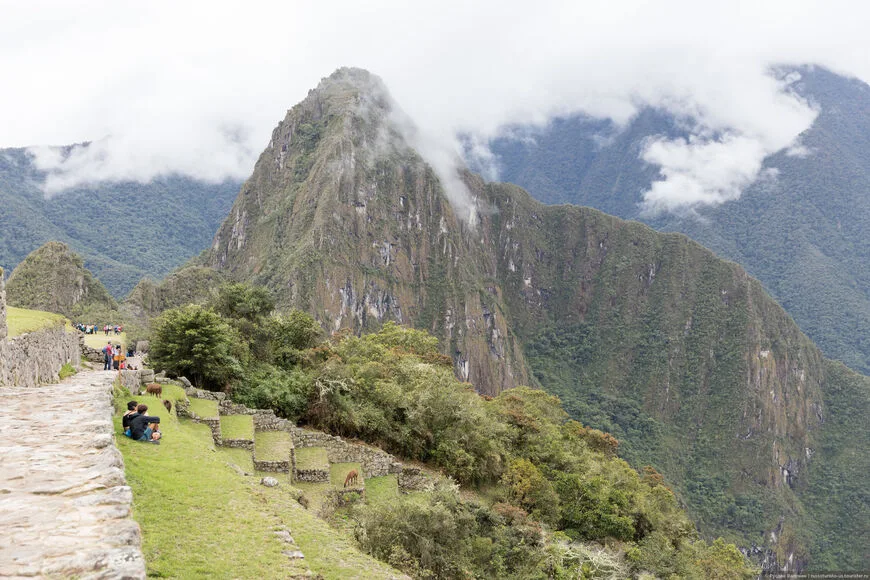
(196, 87)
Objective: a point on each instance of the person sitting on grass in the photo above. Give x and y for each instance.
(125, 420)
(143, 427)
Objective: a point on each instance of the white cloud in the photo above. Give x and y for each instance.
(196, 87)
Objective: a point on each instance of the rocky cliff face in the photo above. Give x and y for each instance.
(648, 335)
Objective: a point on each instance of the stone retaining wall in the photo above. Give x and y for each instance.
(412, 478)
(312, 475)
(272, 466)
(2, 306)
(375, 462)
(36, 357)
(239, 443)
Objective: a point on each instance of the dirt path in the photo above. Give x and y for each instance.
(64, 502)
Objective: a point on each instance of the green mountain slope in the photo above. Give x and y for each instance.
(681, 354)
(124, 231)
(54, 278)
(802, 234)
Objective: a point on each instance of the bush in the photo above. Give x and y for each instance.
(66, 371)
(195, 342)
(286, 392)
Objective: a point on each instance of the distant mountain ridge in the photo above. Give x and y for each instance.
(802, 233)
(680, 354)
(124, 231)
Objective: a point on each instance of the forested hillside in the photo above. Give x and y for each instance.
(802, 233)
(54, 279)
(125, 231)
(649, 335)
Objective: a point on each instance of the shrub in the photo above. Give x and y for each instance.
(528, 488)
(67, 370)
(195, 342)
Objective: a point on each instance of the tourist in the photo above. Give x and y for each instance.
(108, 352)
(144, 428)
(117, 357)
(125, 420)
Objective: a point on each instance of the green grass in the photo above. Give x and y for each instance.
(383, 488)
(312, 458)
(66, 371)
(21, 321)
(237, 427)
(338, 471)
(272, 445)
(203, 408)
(200, 519)
(98, 341)
(239, 457)
(174, 393)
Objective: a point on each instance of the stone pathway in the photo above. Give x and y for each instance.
(64, 502)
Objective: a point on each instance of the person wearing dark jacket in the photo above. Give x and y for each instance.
(125, 420)
(143, 427)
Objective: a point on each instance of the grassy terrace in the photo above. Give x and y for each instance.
(237, 427)
(383, 488)
(204, 409)
(272, 445)
(312, 458)
(339, 471)
(99, 340)
(201, 519)
(21, 321)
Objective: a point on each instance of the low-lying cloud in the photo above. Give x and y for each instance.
(196, 87)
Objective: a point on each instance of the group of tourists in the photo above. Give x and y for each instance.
(139, 426)
(114, 357)
(96, 329)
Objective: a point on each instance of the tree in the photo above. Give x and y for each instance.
(193, 341)
(243, 301)
(290, 334)
(529, 489)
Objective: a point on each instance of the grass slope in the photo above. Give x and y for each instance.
(272, 445)
(204, 408)
(237, 427)
(21, 320)
(312, 458)
(201, 519)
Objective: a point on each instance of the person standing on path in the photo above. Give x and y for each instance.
(107, 357)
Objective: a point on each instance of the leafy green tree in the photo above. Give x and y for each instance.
(529, 489)
(291, 334)
(195, 342)
(243, 301)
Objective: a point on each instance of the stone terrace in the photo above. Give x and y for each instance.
(64, 502)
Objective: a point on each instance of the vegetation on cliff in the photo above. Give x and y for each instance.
(546, 473)
(54, 278)
(801, 231)
(124, 231)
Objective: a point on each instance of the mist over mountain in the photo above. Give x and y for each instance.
(124, 230)
(801, 228)
(678, 353)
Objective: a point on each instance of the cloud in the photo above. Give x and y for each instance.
(196, 87)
